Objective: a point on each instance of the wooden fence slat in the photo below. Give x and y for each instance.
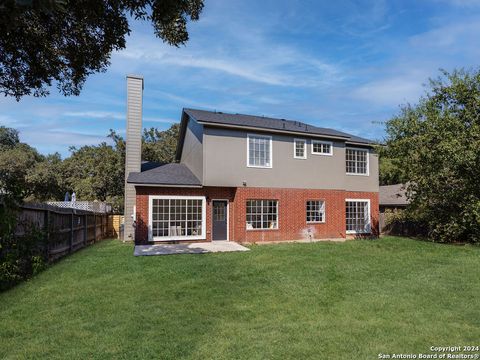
(46, 226)
(85, 229)
(62, 228)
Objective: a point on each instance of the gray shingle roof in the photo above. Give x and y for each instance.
(163, 174)
(393, 195)
(268, 123)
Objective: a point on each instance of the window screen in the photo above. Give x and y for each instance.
(357, 216)
(262, 214)
(315, 211)
(356, 161)
(259, 151)
(177, 217)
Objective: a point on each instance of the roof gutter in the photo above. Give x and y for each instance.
(165, 185)
(359, 143)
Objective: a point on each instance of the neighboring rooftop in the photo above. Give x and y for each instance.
(393, 195)
(153, 173)
(267, 123)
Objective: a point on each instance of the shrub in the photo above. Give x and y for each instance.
(21, 256)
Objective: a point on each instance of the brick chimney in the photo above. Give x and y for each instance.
(133, 156)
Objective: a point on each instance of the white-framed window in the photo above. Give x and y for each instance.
(315, 211)
(300, 148)
(262, 214)
(358, 216)
(259, 151)
(176, 217)
(322, 147)
(356, 161)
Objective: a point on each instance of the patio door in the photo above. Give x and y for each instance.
(219, 220)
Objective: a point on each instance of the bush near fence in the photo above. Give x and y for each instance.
(398, 222)
(44, 234)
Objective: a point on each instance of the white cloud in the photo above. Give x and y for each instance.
(419, 58)
(391, 91)
(9, 121)
(462, 3)
(42, 139)
(450, 38)
(253, 58)
(95, 114)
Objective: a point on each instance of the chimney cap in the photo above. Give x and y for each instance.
(140, 77)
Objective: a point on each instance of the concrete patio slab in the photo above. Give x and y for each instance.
(194, 248)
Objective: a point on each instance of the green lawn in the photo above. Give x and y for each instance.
(348, 300)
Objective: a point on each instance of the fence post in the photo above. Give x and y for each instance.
(71, 232)
(95, 227)
(46, 222)
(85, 229)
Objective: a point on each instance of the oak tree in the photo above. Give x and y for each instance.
(65, 41)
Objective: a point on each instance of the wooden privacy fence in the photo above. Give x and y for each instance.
(65, 230)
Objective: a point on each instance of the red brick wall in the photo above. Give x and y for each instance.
(141, 233)
(292, 221)
(291, 207)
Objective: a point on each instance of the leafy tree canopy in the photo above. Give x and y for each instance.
(42, 41)
(95, 172)
(160, 146)
(8, 138)
(436, 144)
(16, 162)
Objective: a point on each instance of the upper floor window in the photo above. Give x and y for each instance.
(259, 149)
(322, 147)
(300, 149)
(315, 211)
(356, 161)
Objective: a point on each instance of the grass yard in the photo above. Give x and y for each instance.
(349, 300)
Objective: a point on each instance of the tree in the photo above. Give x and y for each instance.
(8, 138)
(389, 171)
(24, 173)
(437, 145)
(15, 164)
(160, 146)
(95, 172)
(157, 145)
(42, 41)
(46, 180)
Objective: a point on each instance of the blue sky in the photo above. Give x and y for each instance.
(341, 64)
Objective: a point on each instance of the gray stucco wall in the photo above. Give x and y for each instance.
(192, 153)
(225, 164)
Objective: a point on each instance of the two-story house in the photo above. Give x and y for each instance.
(249, 179)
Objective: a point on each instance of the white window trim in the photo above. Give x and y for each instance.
(369, 225)
(323, 142)
(170, 238)
(261, 229)
(295, 141)
(368, 161)
(248, 151)
(227, 215)
(324, 212)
